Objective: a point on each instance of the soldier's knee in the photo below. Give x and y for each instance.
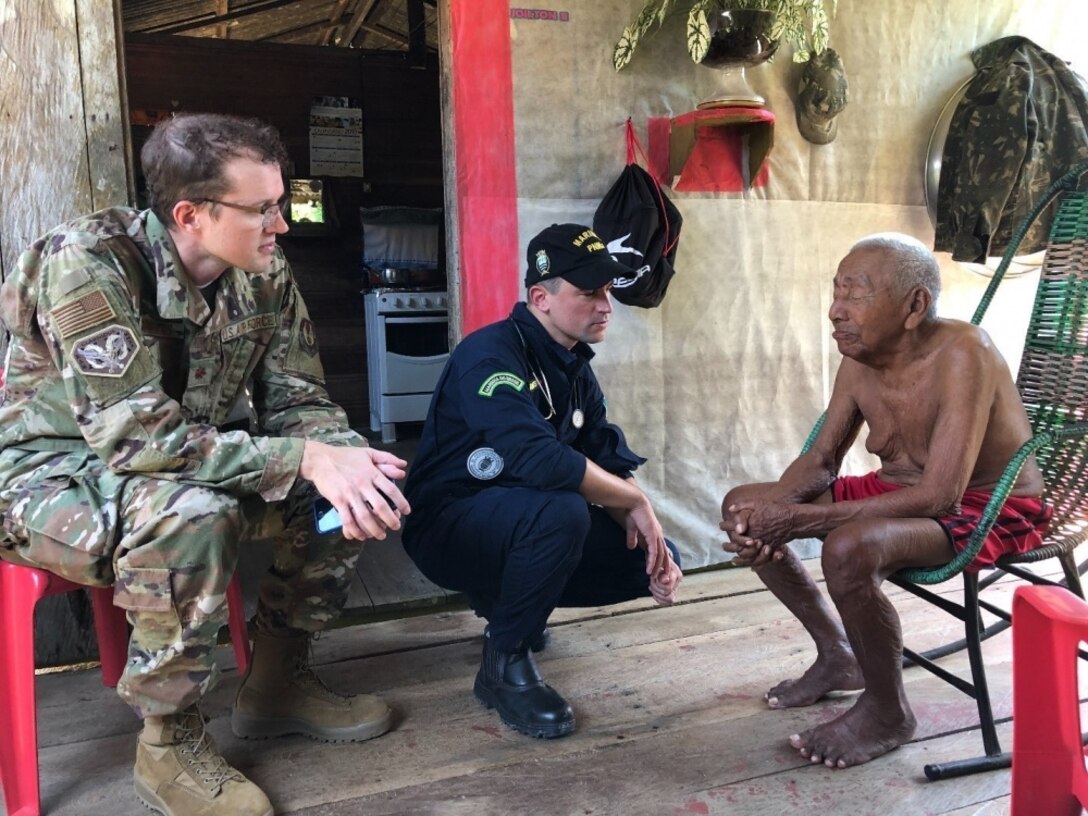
(172, 525)
(214, 513)
(559, 528)
(567, 512)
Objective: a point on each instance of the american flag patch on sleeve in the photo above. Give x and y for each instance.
(90, 310)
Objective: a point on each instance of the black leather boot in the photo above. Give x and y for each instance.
(511, 683)
(541, 641)
(538, 643)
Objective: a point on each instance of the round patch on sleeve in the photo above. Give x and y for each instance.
(307, 337)
(107, 353)
(485, 464)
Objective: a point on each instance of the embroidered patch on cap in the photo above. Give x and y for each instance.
(107, 353)
(90, 310)
(543, 263)
(485, 464)
(500, 378)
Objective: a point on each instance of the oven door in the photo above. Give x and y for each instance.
(416, 350)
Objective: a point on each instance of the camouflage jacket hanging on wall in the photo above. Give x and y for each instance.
(1021, 125)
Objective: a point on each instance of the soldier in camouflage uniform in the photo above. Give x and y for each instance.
(136, 339)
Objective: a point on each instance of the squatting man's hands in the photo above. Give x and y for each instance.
(643, 529)
(664, 587)
(359, 483)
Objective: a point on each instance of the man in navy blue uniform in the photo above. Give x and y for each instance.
(522, 491)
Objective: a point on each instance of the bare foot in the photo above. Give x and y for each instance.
(864, 732)
(838, 671)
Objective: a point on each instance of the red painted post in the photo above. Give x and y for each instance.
(482, 91)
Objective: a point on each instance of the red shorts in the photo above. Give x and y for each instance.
(1020, 526)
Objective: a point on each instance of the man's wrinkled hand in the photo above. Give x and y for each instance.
(751, 552)
(735, 524)
(733, 520)
(769, 522)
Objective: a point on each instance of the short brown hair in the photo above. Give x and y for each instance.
(183, 158)
(552, 285)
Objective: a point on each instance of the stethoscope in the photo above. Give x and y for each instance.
(578, 418)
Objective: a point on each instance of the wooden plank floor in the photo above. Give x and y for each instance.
(670, 721)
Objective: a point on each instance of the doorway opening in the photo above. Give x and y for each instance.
(360, 75)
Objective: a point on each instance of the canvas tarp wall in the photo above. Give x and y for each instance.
(722, 383)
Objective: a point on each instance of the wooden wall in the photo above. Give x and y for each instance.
(62, 134)
(62, 153)
(402, 155)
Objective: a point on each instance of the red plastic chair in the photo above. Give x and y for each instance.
(1048, 772)
(21, 588)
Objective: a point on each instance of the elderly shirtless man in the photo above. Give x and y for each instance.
(945, 418)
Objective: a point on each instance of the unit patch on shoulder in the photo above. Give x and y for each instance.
(107, 353)
(307, 337)
(500, 378)
(484, 464)
(90, 310)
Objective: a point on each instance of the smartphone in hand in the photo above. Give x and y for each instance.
(326, 517)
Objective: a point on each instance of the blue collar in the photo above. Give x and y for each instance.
(570, 361)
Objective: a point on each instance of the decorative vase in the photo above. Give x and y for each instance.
(739, 38)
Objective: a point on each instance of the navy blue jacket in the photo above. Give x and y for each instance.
(488, 421)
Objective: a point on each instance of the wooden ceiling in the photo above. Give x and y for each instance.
(382, 25)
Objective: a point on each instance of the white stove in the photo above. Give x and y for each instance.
(407, 346)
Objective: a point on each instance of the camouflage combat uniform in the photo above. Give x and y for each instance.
(114, 467)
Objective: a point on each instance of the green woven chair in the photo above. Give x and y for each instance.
(1053, 384)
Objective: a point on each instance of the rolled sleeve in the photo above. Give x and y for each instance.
(607, 447)
(282, 462)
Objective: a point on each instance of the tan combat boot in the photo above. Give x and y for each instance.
(280, 694)
(180, 772)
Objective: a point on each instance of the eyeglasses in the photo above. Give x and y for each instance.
(268, 212)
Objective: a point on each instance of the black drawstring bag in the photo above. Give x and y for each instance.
(642, 229)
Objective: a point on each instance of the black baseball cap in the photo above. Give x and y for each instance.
(573, 252)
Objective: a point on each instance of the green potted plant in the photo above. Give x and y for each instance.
(802, 24)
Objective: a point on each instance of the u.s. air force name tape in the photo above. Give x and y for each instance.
(247, 325)
(500, 378)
